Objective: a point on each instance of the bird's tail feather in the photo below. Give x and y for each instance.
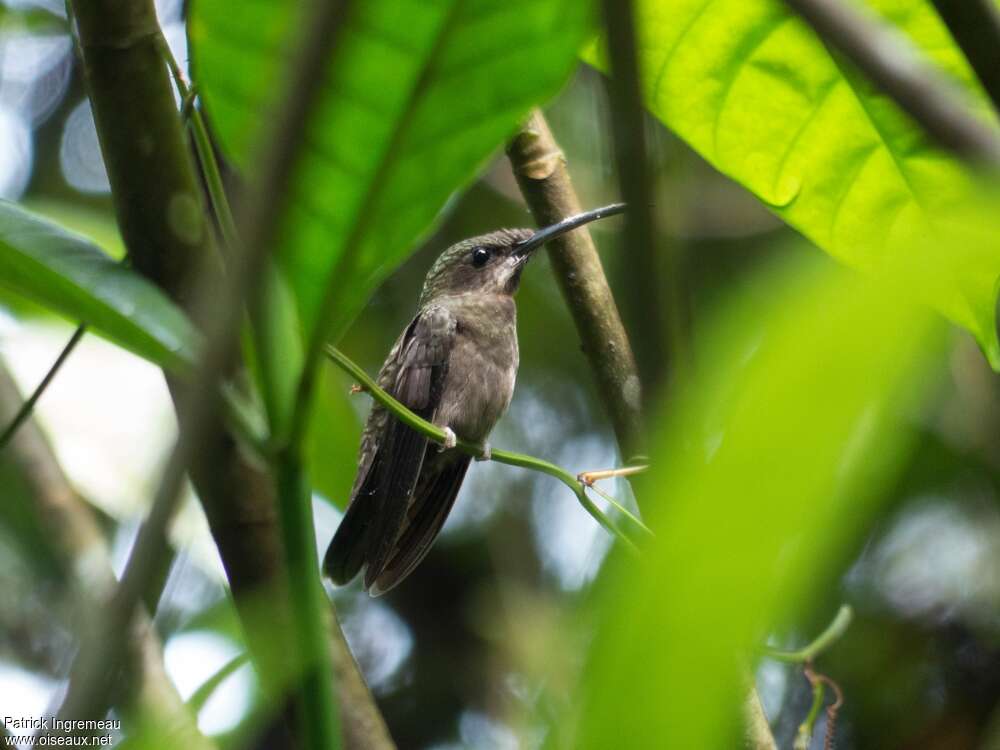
(346, 553)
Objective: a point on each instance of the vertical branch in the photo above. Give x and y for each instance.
(156, 195)
(975, 25)
(659, 343)
(540, 168)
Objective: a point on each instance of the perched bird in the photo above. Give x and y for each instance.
(454, 365)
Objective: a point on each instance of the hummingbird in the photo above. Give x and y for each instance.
(454, 365)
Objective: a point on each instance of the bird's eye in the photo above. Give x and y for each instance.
(480, 256)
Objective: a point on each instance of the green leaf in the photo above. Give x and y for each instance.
(417, 96)
(332, 442)
(768, 467)
(69, 274)
(758, 95)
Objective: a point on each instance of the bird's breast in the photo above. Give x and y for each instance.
(482, 369)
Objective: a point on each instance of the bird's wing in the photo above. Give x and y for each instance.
(433, 498)
(392, 453)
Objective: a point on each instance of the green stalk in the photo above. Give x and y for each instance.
(803, 738)
(320, 718)
(822, 642)
(436, 434)
(206, 154)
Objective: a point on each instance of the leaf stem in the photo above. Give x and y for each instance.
(621, 508)
(206, 154)
(803, 738)
(436, 434)
(320, 718)
(822, 642)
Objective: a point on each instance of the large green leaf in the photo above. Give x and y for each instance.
(766, 470)
(757, 94)
(69, 274)
(417, 95)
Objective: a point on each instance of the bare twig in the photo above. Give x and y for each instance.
(29, 403)
(596, 475)
(890, 61)
(541, 172)
(975, 24)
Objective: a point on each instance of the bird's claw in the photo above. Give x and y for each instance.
(450, 441)
(355, 389)
(487, 453)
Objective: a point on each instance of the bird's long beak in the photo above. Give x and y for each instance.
(545, 234)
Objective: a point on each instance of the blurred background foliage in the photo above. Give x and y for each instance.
(518, 619)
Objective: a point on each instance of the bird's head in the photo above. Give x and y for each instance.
(492, 263)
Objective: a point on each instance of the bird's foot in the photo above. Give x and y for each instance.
(355, 389)
(450, 441)
(487, 452)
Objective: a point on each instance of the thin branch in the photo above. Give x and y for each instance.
(541, 172)
(78, 542)
(837, 627)
(432, 432)
(29, 403)
(888, 59)
(975, 25)
(660, 343)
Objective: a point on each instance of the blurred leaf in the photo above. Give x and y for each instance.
(332, 442)
(758, 95)
(94, 224)
(277, 348)
(417, 97)
(36, 20)
(70, 275)
(774, 456)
